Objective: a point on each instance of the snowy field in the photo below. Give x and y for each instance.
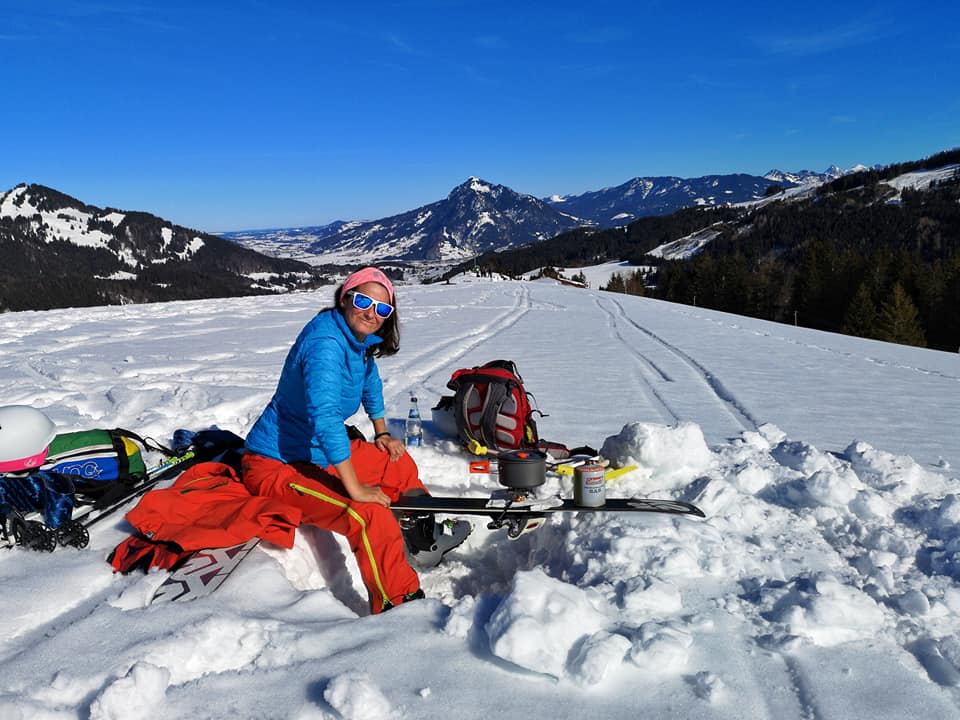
(823, 584)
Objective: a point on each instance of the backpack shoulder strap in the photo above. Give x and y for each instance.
(496, 394)
(499, 382)
(472, 443)
(147, 443)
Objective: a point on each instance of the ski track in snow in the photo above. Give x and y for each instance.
(645, 367)
(799, 685)
(719, 394)
(29, 634)
(779, 336)
(435, 360)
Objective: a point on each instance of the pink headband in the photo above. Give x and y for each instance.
(368, 274)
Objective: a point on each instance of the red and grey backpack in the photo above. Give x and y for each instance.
(492, 409)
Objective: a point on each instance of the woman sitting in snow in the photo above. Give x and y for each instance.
(299, 449)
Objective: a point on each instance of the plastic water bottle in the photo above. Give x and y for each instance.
(414, 428)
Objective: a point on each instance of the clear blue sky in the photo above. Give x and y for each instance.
(250, 114)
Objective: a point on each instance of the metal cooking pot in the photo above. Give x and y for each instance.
(522, 468)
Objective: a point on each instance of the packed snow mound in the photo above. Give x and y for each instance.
(355, 696)
(662, 648)
(881, 469)
(669, 456)
(596, 655)
(138, 695)
(824, 610)
(555, 612)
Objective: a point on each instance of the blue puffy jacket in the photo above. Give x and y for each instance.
(325, 378)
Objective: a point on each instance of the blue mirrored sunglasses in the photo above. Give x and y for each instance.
(362, 302)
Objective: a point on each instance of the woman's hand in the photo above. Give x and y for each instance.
(356, 490)
(369, 493)
(391, 445)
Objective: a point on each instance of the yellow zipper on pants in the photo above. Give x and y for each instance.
(363, 531)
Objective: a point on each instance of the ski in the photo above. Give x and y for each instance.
(202, 573)
(521, 512)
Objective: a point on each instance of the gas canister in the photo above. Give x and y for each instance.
(589, 486)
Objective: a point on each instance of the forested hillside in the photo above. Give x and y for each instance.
(857, 262)
(60, 252)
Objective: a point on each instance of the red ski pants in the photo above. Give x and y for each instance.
(371, 529)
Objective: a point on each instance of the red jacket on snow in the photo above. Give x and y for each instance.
(209, 507)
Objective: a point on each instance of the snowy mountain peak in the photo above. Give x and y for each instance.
(478, 185)
(811, 177)
(645, 196)
(476, 216)
(475, 186)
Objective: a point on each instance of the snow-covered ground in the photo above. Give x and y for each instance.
(923, 179)
(598, 276)
(685, 247)
(822, 584)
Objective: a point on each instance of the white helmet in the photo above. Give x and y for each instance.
(25, 435)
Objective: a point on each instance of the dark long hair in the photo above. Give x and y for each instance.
(389, 331)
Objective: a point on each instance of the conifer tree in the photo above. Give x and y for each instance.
(616, 284)
(634, 284)
(861, 316)
(899, 321)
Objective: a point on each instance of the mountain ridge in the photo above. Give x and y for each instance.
(478, 216)
(59, 251)
(475, 217)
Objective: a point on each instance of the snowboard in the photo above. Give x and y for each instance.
(202, 573)
(520, 513)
